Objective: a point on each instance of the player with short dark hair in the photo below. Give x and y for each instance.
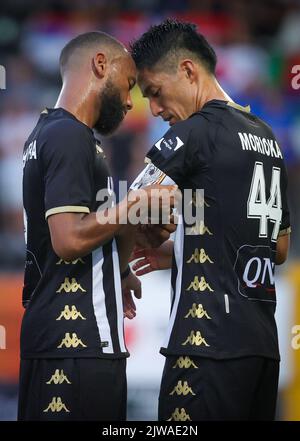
(221, 347)
(73, 353)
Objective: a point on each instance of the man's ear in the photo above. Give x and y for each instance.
(99, 65)
(189, 69)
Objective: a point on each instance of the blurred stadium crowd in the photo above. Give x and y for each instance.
(257, 43)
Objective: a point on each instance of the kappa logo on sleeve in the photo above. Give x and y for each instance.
(168, 145)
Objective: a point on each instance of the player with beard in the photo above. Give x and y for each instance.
(73, 354)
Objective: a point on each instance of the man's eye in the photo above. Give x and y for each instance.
(156, 93)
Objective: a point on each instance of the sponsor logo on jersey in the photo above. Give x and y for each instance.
(255, 268)
(169, 145)
(30, 152)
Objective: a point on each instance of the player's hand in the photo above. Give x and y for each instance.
(153, 236)
(155, 204)
(152, 259)
(130, 284)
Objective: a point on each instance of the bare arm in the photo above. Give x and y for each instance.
(75, 235)
(282, 248)
(125, 243)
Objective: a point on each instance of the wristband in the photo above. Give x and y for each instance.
(126, 273)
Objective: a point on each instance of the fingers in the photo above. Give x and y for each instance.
(145, 270)
(137, 253)
(140, 263)
(129, 314)
(131, 303)
(163, 235)
(158, 235)
(129, 307)
(138, 292)
(170, 228)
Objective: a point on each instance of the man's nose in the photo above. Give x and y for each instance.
(129, 104)
(156, 110)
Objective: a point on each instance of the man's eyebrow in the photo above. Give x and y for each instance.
(146, 91)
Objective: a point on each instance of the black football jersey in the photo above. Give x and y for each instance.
(73, 309)
(223, 287)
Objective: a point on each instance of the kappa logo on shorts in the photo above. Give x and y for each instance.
(182, 388)
(184, 362)
(195, 339)
(58, 377)
(179, 415)
(56, 405)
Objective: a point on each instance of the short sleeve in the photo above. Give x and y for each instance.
(67, 158)
(181, 150)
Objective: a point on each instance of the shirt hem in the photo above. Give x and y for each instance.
(220, 356)
(67, 209)
(73, 355)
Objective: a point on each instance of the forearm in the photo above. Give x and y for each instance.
(75, 235)
(166, 254)
(126, 243)
(282, 248)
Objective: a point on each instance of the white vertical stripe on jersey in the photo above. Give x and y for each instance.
(178, 251)
(226, 303)
(119, 300)
(99, 301)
